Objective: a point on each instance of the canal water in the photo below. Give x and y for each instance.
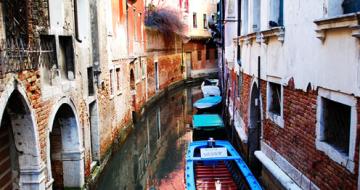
(153, 155)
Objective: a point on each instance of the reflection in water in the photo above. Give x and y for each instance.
(153, 155)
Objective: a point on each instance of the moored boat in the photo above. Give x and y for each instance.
(208, 125)
(207, 102)
(216, 165)
(210, 87)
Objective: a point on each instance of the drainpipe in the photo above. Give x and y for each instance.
(222, 40)
(76, 22)
(238, 32)
(259, 96)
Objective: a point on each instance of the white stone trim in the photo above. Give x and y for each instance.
(275, 158)
(279, 175)
(279, 120)
(334, 154)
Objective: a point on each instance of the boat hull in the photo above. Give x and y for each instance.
(204, 171)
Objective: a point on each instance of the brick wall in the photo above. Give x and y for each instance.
(169, 64)
(196, 64)
(296, 141)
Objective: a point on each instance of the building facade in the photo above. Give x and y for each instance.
(200, 52)
(293, 91)
(74, 74)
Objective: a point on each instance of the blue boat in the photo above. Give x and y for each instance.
(208, 125)
(207, 122)
(216, 165)
(208, 102)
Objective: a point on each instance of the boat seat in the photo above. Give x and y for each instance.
(207, 175)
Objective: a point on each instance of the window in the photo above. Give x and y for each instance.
(350, 6)
(275, 102)
(135, 25)
(90, 81)
(335, 118)
(336, 126)
(244, 17)
(256, 16)
(67, 55)
(207, 53)
(111, 82)
(276, 13)
(16, 21)
(186, 6)
(141, 27)
(275, 98)
(48, 51)
(143, 68)
(231, 6)
(199, 55)
(340, 7)
(194, 20)
(205, 21)
(118, 79)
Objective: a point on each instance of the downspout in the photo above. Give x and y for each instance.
(222, 46)
(76, 22)
(238, 32)
(259, 96)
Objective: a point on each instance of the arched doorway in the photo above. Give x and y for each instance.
(132, 80)
(66, 152)
(20, 162)
(254, 130)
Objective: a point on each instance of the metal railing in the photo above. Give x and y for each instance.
(16, 55)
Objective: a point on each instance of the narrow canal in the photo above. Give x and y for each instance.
(153, 155)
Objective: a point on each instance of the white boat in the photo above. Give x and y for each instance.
(210, 87)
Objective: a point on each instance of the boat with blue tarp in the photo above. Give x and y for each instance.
(217, 165)
(207, 103)
(208, 125)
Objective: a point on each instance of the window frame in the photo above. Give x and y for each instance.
(277, 119)
(194, 20)
(205, 21)
(111, 83)
(346, 161)
(118, 80)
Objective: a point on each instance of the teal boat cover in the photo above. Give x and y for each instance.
(207, 102)
(207, 121)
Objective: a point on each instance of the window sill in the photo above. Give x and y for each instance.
(335, 155)
(119, 93)
(263, 36)
(278, 120)
(346, 21)
(112, 96)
